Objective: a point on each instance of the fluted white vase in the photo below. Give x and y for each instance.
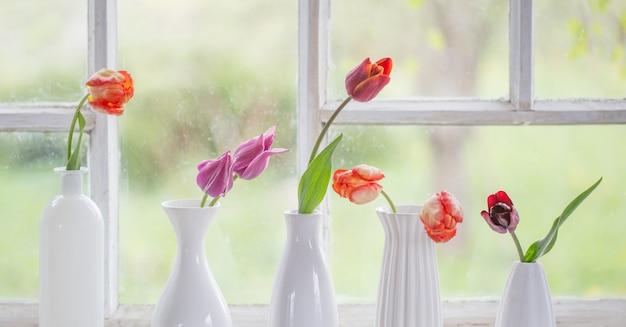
(71, 257)
(408, 287)
(303, 294)
(191, 297)
(526, 301)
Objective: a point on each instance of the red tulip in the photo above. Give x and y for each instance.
(365, 81)
(502, 215)
(109, 91)
(440, 214)
(359, 185)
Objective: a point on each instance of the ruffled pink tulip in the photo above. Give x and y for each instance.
(440, 214)
(502, 215)
(365, 81)
(252, 157)
(215, 176)
(359, 185)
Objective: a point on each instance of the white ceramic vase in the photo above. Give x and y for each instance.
(526, 301)
(303, 294)
(71, 257)
(408, 287)
(191, 296)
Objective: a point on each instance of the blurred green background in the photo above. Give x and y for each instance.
(210, 75)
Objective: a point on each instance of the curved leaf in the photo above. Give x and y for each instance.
(314, 181)
(544, 245)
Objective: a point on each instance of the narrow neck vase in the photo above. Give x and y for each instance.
(303, 294)
(191, 297)
(408, 287)
(71, 257)
(526, 300)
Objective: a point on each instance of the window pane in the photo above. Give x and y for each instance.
(216, 75)
(542, 168)
(27, 184)
(581, 52)
(44, 50)
(441, 48)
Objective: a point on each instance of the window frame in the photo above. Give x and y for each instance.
(313, 110)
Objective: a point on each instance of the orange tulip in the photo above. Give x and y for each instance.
(440, 214)
(109, 91)
(365, 81)
(359, 185)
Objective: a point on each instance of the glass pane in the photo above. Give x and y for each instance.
(27, 184)
(440, 48)
(44, 50)
(542, 168)
(581, 52)
(214, 77)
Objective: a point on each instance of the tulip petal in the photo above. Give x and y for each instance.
(365, 193)
(258, 165)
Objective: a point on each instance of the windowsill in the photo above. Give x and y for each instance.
(456, 313)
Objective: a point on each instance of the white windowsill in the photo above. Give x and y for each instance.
(456, 313)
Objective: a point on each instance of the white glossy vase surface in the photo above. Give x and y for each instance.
(71, 257)
(303, 294)
(408, 288)
(191, 297)
(526, 301)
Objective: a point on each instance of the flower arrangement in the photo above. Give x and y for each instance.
(217, 176)
(503, 217)
(440, 213)
(109, 91)
(363, 83)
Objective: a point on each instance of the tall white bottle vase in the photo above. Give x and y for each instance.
(303, 294)
(71, 257)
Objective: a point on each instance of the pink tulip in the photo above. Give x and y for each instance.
(365, 81)
(215, 176)
(252, 157)
(359, 185)
(440, 214)
(502, 215)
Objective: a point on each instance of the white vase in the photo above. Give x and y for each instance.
(303, 294)
(526, 301)
(408, 287)
(71, 257)
(191, 296)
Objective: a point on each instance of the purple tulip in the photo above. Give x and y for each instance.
(252, 157)
(502, 216)
(215, 176)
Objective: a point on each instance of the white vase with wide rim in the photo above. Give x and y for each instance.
(408, 288)
(303, 294)
(191, 297)
(71, 257)
(526, 301)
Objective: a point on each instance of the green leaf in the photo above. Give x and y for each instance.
(314, 181)
(544, 245)
(74, 161)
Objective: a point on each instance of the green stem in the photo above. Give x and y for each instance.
(215, 199)
(518, 246)
(393, 207)
(206, 196)
(73, 125)
(325, 128)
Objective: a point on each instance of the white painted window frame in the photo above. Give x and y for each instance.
(313, 110)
